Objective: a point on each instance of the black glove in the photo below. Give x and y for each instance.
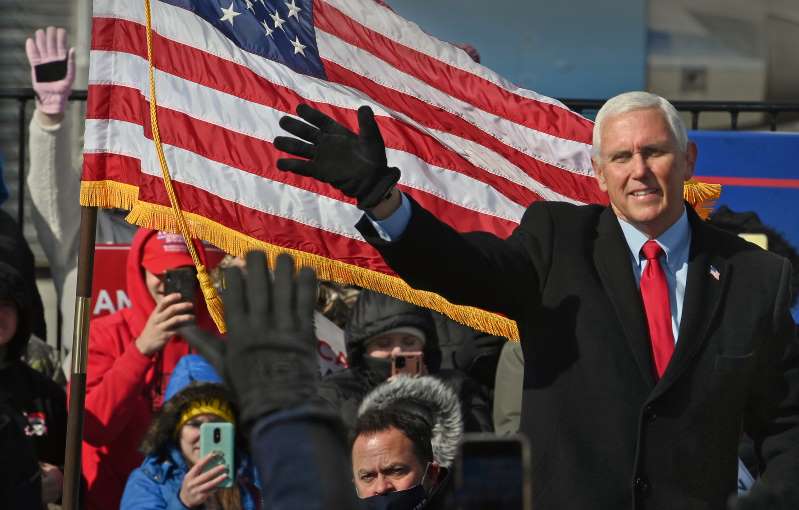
(269, 359)
(354, 164)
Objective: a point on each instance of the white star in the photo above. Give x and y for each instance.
(268, 30)
(293, 9)
(277, 19)
(229, 13)
(249, 5)
(298, 46)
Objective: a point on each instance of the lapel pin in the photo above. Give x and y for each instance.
(714, 272)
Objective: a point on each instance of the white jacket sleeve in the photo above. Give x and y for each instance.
(54, 187)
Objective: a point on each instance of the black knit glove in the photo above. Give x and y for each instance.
(354, 164)
(269, 359)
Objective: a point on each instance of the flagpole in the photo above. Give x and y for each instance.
(80, 353)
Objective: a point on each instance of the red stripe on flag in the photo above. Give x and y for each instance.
(544, 117)
(102, 166)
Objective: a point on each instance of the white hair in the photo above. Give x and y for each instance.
(630, 101)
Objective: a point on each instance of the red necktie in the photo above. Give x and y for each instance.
(655, 294)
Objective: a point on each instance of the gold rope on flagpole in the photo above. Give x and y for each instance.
(212, 301)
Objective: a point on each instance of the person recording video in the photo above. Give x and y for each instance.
(132, 354)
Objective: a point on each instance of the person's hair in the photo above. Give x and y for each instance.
(630, 101)
(161, 434)
(410, 419)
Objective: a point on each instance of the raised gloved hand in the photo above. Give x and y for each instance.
(52, 68)
(354, 164)
(269, 359)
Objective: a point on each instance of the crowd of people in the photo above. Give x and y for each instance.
(655, 347)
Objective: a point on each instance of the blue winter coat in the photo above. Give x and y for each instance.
(155, 484)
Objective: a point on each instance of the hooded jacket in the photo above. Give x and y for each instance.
(372, 315)
(123, 386)
(40, 402)
(156, 483)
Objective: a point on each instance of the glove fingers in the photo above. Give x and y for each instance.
(296, 166)
(299, 128)
(41, 42)
(61, 43)
(367, 126)
(295, 147)
(283, 292)
(31, 51)
(320, 120)
(210, 347)
(306, 298)
(51, 42)
(259, 288)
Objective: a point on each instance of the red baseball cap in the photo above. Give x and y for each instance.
(164, 251)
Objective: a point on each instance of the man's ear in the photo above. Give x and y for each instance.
(690, 155)
(599, 173)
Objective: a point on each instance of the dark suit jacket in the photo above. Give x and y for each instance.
(604, 434)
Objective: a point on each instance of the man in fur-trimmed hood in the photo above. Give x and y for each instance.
(405, 440)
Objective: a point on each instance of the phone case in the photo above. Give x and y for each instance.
(218, 437)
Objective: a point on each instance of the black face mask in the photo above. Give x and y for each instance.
(414, 498)
(379, 368)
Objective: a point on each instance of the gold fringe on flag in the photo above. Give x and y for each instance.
(160, 217)
(701, 195)
(212, 300)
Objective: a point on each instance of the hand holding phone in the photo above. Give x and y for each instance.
(182, 280)
(200, 483)
(217, 438)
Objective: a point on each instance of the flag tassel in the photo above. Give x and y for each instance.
(212, 300)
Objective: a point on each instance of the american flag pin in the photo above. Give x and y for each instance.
(714, 272)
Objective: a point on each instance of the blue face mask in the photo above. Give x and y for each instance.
(414, 498)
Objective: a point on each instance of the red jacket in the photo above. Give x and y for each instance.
(124, 387)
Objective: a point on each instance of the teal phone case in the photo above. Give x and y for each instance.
(218, 437)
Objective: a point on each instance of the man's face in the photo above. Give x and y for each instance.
(643, 170)
(189, 437)
(384, 462)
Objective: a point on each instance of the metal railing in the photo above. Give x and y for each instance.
(734, 108)
(23, 97)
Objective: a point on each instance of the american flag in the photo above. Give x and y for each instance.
(473, 148)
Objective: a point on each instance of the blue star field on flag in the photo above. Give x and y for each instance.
(279, 30)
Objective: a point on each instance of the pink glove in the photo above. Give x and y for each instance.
(52, 68)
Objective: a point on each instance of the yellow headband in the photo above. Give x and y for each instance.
(213, 406)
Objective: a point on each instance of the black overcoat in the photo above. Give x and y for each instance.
(604, 433)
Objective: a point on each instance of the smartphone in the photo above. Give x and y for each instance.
(218, 437)
(182, 280)
(409, 363)
(493, 472)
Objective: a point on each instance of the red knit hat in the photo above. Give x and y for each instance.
(164, 251)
